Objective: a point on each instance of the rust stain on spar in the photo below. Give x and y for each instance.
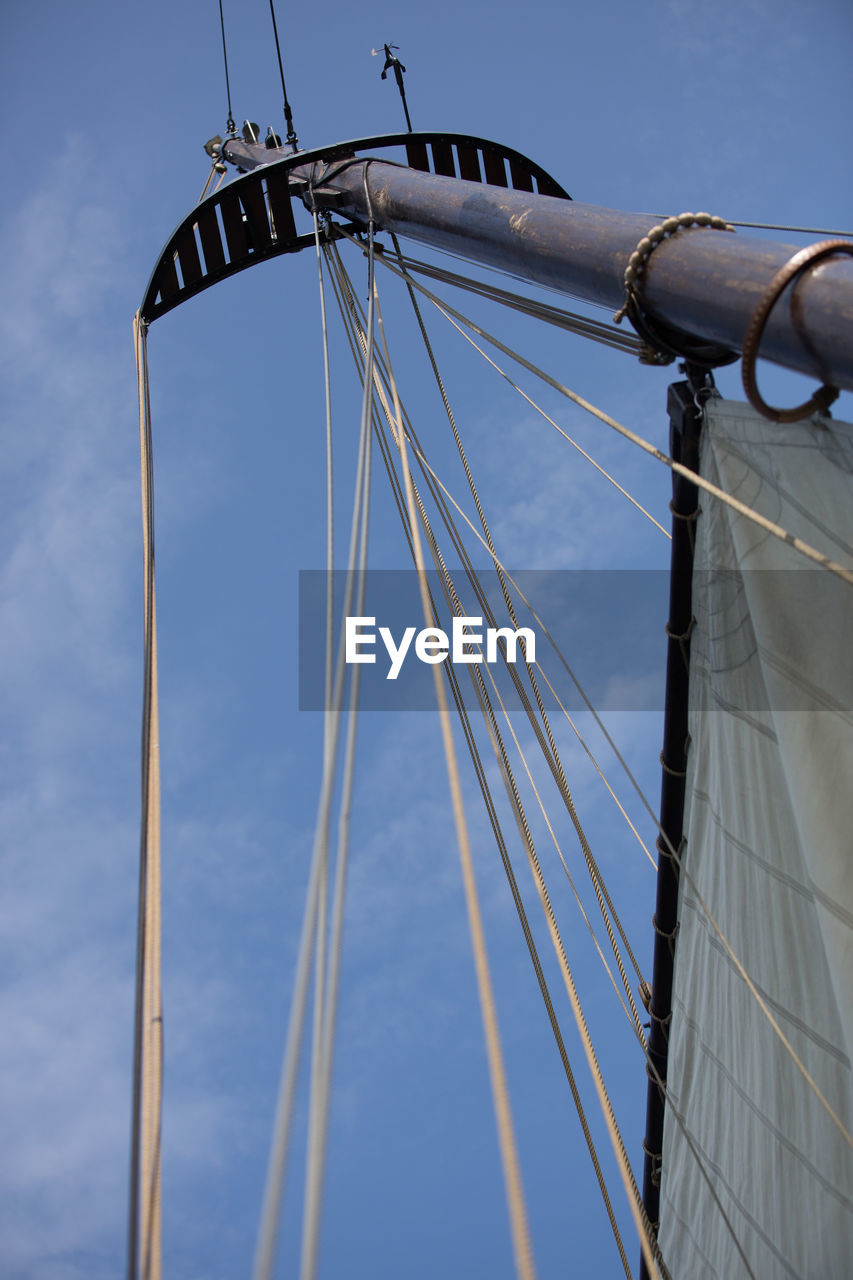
(703, 282)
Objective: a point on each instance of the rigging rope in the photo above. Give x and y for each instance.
(146, 1169)
(552, 755)
(610, 479)
(515, 1197)
(606, 334)
(330, 503)
(494, 820)
(673, 853)
(775, 226)
(632, 1015)
(144, 1219)
(548, 748)
(206, 186)
(583, 743)
(522, 1246)
(152, 1267)
(510, 874)
(526, 836)
(804, 548)
(288, 114)
(633, 1192)
(502, 846)
(230, 126)
(507, 772)
(546, 632)
(326, 999)
(271, 1212)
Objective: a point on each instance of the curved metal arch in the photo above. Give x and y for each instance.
(252, 220)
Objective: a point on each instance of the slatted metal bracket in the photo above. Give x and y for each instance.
(251, 219)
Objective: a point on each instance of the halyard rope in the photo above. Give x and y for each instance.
(144, 1226)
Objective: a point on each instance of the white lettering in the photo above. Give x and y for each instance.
(354, 640)
(431, 645)
(511, 637)
(464, 639)
(395, 653)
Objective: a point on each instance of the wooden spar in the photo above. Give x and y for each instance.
(704, 282)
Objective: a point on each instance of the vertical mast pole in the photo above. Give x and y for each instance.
(685, 425)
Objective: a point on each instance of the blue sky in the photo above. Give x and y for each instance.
(739, 108)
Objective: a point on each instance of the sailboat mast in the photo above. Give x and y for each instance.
(702, 287)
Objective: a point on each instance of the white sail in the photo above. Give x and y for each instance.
(769, 848)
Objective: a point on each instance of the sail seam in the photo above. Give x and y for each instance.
(757, 1111)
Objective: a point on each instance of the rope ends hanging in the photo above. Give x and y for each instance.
(144, 1252)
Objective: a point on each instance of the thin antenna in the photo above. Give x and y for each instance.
(398, 68)
(230, 126)
(292, 139)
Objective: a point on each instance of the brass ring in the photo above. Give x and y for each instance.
(824, 396)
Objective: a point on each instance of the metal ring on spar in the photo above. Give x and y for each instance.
(826, 394)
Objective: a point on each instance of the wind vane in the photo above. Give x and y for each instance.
(398, 68)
